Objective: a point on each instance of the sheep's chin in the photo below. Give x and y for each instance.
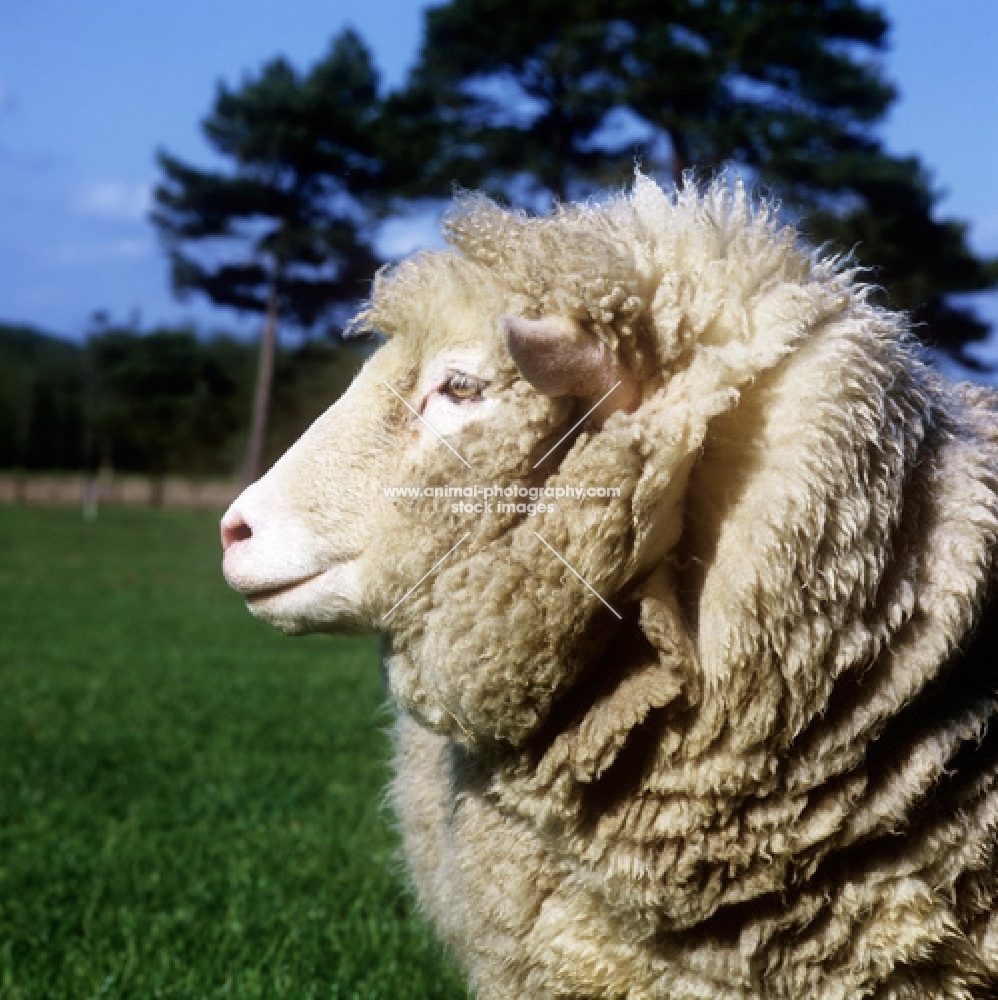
(328, 601)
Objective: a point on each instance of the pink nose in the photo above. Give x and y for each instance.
(234, 529)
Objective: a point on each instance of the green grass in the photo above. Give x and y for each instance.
(190, 803)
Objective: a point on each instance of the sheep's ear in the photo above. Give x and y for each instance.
(559, 359)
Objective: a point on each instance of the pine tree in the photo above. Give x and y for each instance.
(284, 232)
(556, 98)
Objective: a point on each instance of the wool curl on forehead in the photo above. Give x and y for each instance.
(407, 296)
(650, 273)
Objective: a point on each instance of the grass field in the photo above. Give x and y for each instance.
(190, 803)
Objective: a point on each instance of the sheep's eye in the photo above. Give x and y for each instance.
(463, 387)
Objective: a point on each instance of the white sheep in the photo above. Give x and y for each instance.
(701, 731)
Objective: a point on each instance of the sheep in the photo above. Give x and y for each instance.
(712, 722)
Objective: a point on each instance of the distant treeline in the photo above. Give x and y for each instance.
(159, 402)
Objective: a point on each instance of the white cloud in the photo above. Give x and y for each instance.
(114, 200)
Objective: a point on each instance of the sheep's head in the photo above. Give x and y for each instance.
(468, 392)
(574, 354)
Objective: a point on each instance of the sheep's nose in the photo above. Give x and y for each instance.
(234, 528)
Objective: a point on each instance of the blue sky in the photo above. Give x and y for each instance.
(89, 89)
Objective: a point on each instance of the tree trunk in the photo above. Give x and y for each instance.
(261, 396)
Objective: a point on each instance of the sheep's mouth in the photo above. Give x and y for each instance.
(268, 593)
(328, 600)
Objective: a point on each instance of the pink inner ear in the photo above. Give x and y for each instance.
(559, 359)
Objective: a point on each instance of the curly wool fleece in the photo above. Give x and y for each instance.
(773, 777)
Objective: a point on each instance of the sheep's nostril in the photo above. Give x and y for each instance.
(234, 529)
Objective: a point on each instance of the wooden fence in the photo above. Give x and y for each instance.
(131, 491)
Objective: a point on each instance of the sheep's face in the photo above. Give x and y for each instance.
(366, 520)
(303, 543)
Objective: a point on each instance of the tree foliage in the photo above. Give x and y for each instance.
(284, 227)
(162, 402)
(41, 401)
(556, 98)
(165, 402)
